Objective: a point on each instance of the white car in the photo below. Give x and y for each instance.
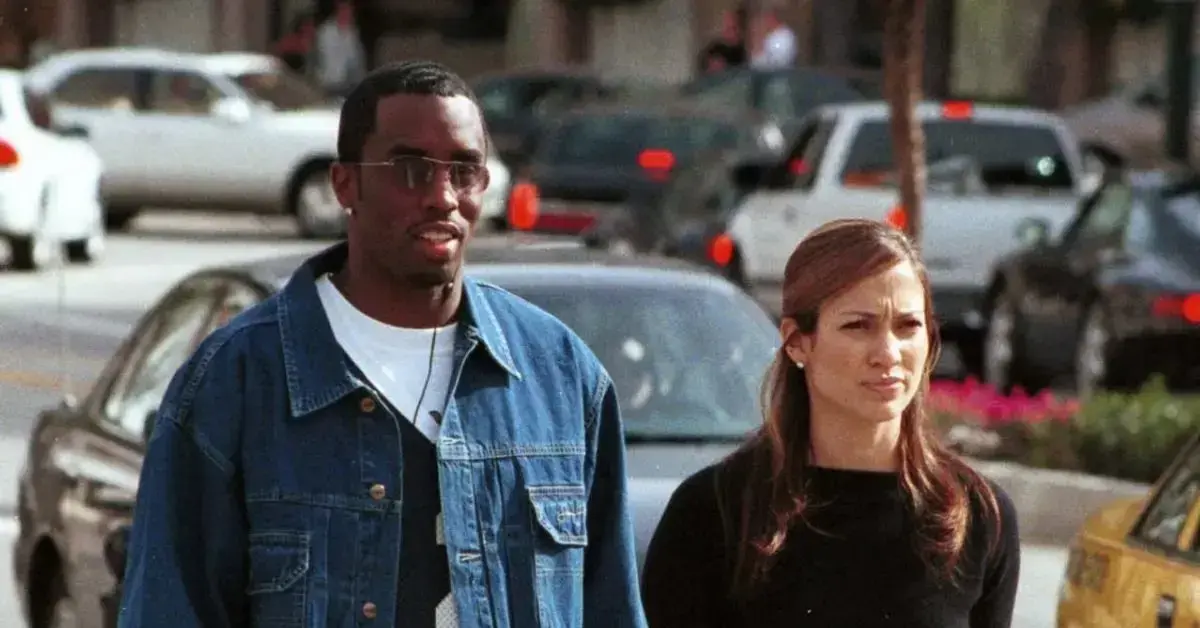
(494, 212)
(49, 183)
(232, 132)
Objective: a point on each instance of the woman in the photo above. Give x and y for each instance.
(841, 511)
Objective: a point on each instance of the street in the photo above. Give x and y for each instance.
(58, 329)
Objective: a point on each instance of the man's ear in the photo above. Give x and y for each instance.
(344, 178)
(797, 345)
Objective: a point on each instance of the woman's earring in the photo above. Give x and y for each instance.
(799, 365)
(349, 211)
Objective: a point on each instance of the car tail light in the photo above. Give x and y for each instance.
(523, 206)
(897, 217)
(798, 167)
(657, 163)
(1185, 306)
(720, 249)
(9, 156)
(957, 110)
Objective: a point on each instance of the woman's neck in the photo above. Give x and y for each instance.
(842, 442)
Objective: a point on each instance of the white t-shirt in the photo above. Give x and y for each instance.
(778, 51)
(395, 359)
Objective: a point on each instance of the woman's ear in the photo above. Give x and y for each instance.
(795, 344)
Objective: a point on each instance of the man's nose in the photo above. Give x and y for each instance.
(440, 194)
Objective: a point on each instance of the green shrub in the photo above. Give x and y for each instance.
(1131, 436)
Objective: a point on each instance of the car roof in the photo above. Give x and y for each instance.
(879, 110)
(144, 55)
(664, 109)
(518, 261)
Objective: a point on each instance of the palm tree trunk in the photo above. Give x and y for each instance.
(903, 63)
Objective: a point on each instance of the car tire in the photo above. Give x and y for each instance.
(56, 609)
(1000, 362)
(318, 213)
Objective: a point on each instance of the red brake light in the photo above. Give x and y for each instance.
(957, 110)
(798, 167)
(523, 206)
(656, 159)
(720, 249)
(1186, 307)
(897, 217)
(9, 156)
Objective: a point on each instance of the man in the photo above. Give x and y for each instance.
(386, 442)
(775, 46)
(728, 48)
(340, 61)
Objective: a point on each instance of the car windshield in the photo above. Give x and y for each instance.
(1182, 232)
(282, 90)
(1007, 155)
(618, 140)
(687, 362)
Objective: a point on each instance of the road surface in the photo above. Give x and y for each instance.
(57, 329)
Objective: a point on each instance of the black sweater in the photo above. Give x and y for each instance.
(861, 571)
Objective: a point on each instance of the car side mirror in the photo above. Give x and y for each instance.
(72, 130)
(1033, 233)
(233, 110)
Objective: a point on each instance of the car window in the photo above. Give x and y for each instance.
(1007, 155)
(282, 89)
(728, 90)
(99, 88)
(38, 108)
(170, 338)
(777, 99)
(1163, 522)
(182, 93)
(618, 140)
(1105, 220)
(685, 362)
(497, 99)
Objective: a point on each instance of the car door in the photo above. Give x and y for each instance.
(107, 101)
(98, 459)
(1057, 282)
(203, 155)
(1161, 572)
(770, 222)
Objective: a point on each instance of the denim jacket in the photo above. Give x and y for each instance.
(266, 494)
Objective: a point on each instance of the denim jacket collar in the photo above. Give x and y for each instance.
(316, 368)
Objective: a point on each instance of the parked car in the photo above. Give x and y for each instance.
(1112, 300)
(49, 182)
(518, 103)
(606, 160)
(692, 215)
(784, 95)
(989, 168)
(1136, 562)
(1127, 127)
(229, 132)
(686, 351)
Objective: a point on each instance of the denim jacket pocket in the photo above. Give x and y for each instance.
(279, 567)
(560, 541)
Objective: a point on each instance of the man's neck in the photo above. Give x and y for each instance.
(400, 306)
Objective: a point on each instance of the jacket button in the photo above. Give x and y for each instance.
(378, 491)
(369, 610)
(367, 404)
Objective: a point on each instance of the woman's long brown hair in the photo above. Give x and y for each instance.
(939, 486)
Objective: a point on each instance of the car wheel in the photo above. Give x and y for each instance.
(999, 345)
(57, 610)
(1091, 353)
(86, 250)
(317, 210)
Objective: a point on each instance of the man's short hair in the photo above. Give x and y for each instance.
(357, 120)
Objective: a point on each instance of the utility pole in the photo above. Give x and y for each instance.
(1180, 19)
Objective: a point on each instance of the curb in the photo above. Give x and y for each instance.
(1052, 505)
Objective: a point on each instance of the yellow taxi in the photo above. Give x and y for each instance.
(1137, 562)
